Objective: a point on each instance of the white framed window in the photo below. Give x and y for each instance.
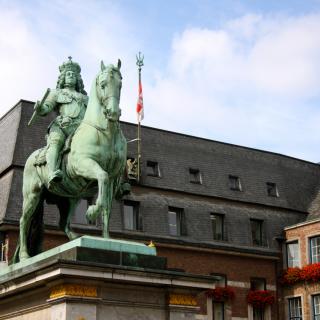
(295, 308)
(316, 307)
(315, 249)
(293, 256)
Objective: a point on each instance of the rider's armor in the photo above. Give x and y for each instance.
(70, 104)
(71, 107)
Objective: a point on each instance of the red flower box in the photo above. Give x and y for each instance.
(309, 273)
(221, 293)
(260, 298)
(291, 276)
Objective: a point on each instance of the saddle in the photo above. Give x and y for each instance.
(41, 156)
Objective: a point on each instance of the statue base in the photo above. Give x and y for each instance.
(95, 279)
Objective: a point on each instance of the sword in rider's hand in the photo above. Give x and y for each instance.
(37, 106)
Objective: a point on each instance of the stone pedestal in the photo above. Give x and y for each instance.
(83, 281)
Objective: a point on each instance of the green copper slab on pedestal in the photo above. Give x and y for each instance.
(127, 248)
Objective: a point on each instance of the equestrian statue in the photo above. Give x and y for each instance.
(85, 155)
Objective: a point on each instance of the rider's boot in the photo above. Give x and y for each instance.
(52, 156)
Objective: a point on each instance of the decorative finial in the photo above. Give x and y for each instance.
(151, 244)
(70, 58)
(139, 60)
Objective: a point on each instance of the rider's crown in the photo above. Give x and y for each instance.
(70, 66)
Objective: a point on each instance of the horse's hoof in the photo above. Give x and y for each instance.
(106, 235)
(73, 235)
(23, 256)
(92, 214)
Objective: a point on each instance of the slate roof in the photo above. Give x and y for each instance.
(297, 180)
(9, 125)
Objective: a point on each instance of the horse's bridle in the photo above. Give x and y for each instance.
(104, 101)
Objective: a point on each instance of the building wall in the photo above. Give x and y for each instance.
(301, 233)
(239, 270)
(305, 291)
(195, 251)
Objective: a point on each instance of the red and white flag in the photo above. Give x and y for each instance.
(140, 111)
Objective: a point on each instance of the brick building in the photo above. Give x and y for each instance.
(211, 208)
(302, 251)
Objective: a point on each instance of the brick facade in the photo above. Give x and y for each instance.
(302, 233)
(239, 270)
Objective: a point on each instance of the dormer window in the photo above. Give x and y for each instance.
(194, 176)
(272, 189)
(153, 169)
(234, 183)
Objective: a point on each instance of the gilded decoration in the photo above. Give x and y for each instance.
(182, 299)
(73, 290)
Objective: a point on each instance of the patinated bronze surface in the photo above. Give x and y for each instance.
(86, 154)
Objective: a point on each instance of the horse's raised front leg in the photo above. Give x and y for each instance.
(91, 170)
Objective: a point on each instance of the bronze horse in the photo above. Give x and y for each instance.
(96, 161)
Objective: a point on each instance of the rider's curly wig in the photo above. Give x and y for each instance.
(79, 84)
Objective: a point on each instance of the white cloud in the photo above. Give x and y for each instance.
(35, 41)
(21, 59)
(254, 81)
(251, 83)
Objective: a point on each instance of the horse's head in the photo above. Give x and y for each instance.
(108, 84)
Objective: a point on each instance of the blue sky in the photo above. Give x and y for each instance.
(242, 72)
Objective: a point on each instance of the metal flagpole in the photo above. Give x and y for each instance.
(139, 64)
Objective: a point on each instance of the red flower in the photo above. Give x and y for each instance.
(311, 272)
(291, 276)
(260, 298)
(220, 293)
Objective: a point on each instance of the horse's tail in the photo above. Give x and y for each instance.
(36, 231)
(35, 235)
(35, 225)
(15, 257)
